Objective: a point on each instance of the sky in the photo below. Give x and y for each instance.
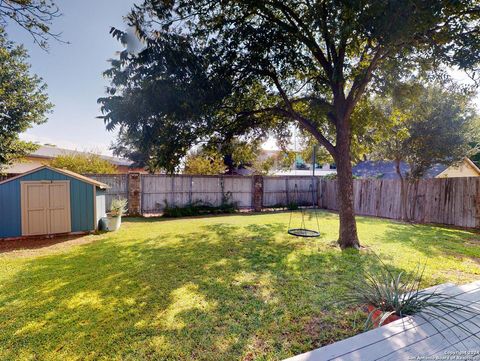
(73, 72)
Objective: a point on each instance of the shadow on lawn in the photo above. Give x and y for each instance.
(222, 292)
(36, 243)
(434, 241)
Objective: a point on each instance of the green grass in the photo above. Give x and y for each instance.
(218, 288)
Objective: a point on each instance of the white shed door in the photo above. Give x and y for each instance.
(45, 207)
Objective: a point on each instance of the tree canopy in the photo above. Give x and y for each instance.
(34, 16)
(429, 125)
(84, 163)
(248, 67)
(201, 162)
(23, 101)
(229, 158)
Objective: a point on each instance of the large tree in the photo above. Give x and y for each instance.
(239, 65)
(426, 126)
(23, 101)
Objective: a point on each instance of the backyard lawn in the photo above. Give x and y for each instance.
(214, 288)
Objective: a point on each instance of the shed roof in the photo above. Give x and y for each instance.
(62, 171)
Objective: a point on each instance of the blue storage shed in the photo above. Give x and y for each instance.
(47, 201)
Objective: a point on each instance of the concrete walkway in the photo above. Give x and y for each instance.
(413, 337)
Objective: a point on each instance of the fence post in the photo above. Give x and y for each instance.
(190, 191)
(477, 204)
(222, 189)
(134, 194)
(323, 194)
(257, 193)
(319, 192)
(172, 193)
(287, 195)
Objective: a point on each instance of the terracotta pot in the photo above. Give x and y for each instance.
(377, 316)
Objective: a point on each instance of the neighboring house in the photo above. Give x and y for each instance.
(298, 167)
(386, 170)
(465, 169)
(307, 170)
(44, 154)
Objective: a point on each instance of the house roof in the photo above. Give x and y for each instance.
(470, 164)
(378, 169)
(62, 171)
(387, 170)
(304, 172)
(45, 151)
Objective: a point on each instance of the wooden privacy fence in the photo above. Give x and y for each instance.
(282, 191)
(118, 184)
(451, 201)
(181, 190)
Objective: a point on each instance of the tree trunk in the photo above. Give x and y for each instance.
(228, 161)
(348, 237)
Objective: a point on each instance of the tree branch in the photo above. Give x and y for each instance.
(361, 81)
(305, 123)
(294, 29)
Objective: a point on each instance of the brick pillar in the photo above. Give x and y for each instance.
(257, 193)
(134, 194)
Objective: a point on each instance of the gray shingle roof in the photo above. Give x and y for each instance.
(386, 170)
(51, 152)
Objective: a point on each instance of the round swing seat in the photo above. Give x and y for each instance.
(303, 232)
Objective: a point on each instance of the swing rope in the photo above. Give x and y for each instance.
(303, 231)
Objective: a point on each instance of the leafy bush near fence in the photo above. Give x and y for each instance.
(198, 208)
(292, 206)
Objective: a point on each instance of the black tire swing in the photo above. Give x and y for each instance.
(303, 231)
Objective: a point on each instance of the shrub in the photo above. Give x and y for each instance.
(399, 293)
(198, 208)
(118, 207)
(292, 206)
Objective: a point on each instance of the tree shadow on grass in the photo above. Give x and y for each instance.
(433, 240)
(10, 245)
(220, 292)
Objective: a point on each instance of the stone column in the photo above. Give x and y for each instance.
(134, 194)
(257, 193)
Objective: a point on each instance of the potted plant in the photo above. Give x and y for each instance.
(117, 209)
(387, 295)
